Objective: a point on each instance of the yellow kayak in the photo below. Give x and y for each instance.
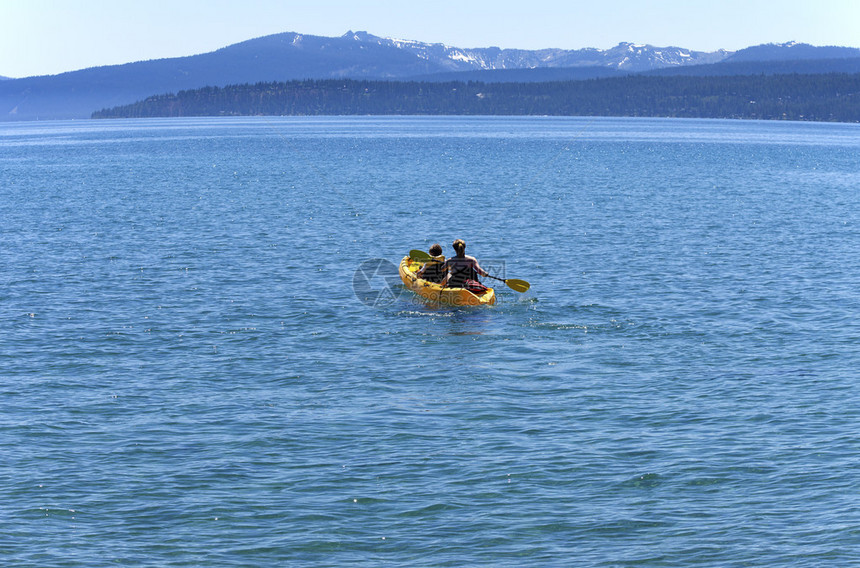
(436, 293)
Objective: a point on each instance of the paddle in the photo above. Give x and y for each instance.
(513, 283)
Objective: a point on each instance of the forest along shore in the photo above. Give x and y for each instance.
(831, 97)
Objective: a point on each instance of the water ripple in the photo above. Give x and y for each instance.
(189, 377)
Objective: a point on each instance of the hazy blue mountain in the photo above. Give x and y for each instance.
(537, 75)
(774, 67)
(624, 56)
(791, 51)
(723, 68)
(355, 55)
(279, 57)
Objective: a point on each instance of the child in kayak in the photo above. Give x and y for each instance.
(460, 268)
(433, 269)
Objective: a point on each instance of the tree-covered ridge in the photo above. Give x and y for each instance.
(819, 97)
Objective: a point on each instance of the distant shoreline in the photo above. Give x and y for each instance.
(831, 97)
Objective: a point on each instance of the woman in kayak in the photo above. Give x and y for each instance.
(433, 269)
(462, 267)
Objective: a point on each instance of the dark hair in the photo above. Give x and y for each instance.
(460, 246)
(436, 250)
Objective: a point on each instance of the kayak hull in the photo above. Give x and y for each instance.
(435, 293)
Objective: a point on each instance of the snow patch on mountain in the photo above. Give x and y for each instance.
(625, 56)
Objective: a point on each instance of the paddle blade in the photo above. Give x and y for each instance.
(416, 254)
(518, 285)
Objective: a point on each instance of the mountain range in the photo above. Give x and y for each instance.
(360, 55)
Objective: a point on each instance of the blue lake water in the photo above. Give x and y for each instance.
(189, 378)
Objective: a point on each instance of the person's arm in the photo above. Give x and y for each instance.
(480, 270)
(446, 269)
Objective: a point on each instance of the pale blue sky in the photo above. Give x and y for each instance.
(40, 37)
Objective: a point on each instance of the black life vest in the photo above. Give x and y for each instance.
(434, 270)
(461, 270)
